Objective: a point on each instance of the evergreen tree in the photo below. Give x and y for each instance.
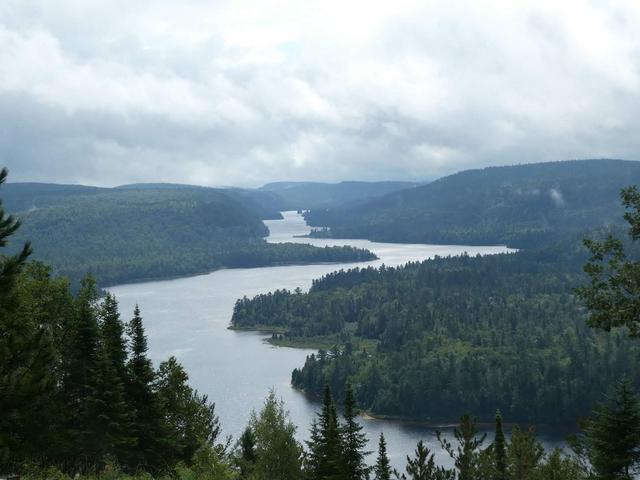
(354, 441)
(278, 455)
(382, 468)
(247, 453)
(324, 461)
(423, 466)
(467, 454)
(611, 441)
(82, 384)
(613, 294)
(499, 451)
(26, 354)
(145, 408)
(189, 418)
(524, 454)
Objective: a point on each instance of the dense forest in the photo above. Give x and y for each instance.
(80, 398)
(520, 206)
(433, 340)
(136, 233)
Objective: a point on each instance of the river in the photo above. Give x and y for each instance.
(188, 318)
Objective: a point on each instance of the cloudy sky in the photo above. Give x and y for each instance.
(245, 92)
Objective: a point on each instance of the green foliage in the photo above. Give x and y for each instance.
(278, 455)
(466, 455)
(324, 460)
(611, 439)
(382, 468)
(521, 206)
(499, 451)
(524, 454)
(423, 466)
(132, 234)
(435, 339)
(354, 441)
(613, 294)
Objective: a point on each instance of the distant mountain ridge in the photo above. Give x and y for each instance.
(313, 195)
(520, 205)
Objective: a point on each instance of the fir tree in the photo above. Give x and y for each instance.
(82, 384)
(26, 353)
(324, 461)
(147, 418)
(524, 454)
(467, 454)
(382, 468)
(247, 454)
(278, 454)
(611, 439)
(499, 450)
(354, 441)
(423, 466)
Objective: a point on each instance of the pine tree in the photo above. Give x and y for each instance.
(324, 461)
(278, 454)
(117, 413)
(355, 441)
(499, 451)
(423, 466)
(466, 456)
(82, 384)
(612, 435)
(147, 418)
(382, 468)
(26, 353)
(247, 454)
(524, 454)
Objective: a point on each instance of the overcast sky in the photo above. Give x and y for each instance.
(246, 92)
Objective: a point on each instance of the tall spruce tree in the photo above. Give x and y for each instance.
(278, 454)
(466, 455)
(82, 384)
(147, 418)
(25, 351)
(524, 454)
(499, 451)
(354, 441)
(423, 466)
(611, 440)
(382, 468)
(117, 413)
(324, 459)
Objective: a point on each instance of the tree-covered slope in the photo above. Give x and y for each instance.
(311, 195)
(520, 205)
(128, 234)
(433, 340)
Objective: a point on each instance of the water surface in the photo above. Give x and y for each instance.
(188, 318)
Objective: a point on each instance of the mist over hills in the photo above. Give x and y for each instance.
(519, 205)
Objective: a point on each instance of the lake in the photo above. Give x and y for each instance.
(188, 318)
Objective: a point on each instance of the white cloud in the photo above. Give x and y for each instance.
(251, 91)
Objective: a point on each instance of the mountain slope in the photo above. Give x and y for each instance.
(310, 195)
(129, 234)
(520, 205)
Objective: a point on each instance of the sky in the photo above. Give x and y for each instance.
(248, 92)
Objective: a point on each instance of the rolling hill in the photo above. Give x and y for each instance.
(521, 205)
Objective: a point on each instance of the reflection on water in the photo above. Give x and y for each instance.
(188, 318)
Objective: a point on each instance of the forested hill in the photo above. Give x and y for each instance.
(130, 234)
(433, 340)
(312, 195)
(521, 206)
